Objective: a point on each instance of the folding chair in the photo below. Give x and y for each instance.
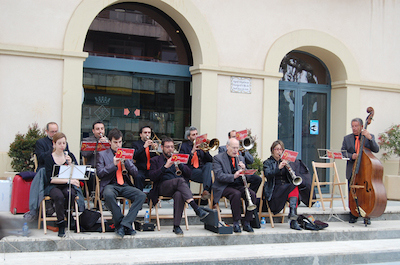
(269, 213)
(86, 187)
(334, 183)
(99, 200)
(44, 218)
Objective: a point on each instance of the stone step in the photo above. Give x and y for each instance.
(327, 252)
(197, 236)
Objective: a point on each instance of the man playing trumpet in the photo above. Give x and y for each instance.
(200, 162)
(228, 169)
(113, 184)
(142, 155)
(166, 182)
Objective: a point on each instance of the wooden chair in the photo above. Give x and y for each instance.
(86, 187)
(44, 218)
(198, 196)
(100, 206)
(335, 183)
(269, 214)
(165, 216)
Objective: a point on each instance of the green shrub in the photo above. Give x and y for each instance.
(23, 147)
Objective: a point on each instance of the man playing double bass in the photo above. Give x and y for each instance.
(351, 144)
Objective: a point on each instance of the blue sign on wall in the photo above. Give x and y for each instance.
(314, 127)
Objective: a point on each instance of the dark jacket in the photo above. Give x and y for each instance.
(140, 155)
(43, 148)
(271, 169)
(204, 157)
(107, 171)
(349, 145)
(157, 171)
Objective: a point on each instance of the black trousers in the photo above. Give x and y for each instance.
(179, 190)
(234, 195)
(59, 195)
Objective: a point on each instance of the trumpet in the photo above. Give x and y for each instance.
(297, 180)
(209, 145)
(246, 144)
(250, 205)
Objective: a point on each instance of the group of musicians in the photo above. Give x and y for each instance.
(228, 167)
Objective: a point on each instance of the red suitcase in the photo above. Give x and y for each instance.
(20, 195)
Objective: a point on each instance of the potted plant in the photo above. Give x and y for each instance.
(390, 142)
(23, 147)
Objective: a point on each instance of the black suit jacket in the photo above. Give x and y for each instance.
(140, 155)
(349, 145)
(156, 174)
(107, 171)
(204, 157)
(43, 148)
(223, 174)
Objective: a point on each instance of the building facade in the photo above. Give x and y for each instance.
(234, 69)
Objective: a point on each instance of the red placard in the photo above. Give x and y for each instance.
(201, 139)
(124, 153)
(289, 155)
(241, 135)
(90, 146)
(250, 171)
(329, 154)
(182, 158)
(337, 155)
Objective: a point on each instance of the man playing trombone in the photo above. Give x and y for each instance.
(200, 162)
(169, 180)
(228, 169)
(142, 155)
(114, 183)
(254, 180)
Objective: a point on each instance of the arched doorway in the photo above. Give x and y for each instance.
(137, 72)
(304, 105)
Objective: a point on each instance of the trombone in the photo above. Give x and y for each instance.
(209, 145)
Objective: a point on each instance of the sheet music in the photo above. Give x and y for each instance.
(64, 172)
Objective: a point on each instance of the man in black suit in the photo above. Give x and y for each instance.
(142, 155)
(228, 170)
(97, 137)
(167, 183)
(44, 146)
(349, 144)
(113, 184)
(254, 180)
(200, 162)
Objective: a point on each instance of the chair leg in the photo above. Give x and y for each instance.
(103, 227)
(186, 218)
(158, 218)
(40, 216)
(44, 217)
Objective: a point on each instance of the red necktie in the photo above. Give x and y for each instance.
(357, 144)
(120, 178)
(148, 157)
(233, 162)
(195, 160)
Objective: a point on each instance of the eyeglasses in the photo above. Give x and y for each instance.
(278, 149)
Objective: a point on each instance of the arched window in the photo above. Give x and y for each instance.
(137, 72)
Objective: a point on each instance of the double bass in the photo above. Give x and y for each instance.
(367, 193)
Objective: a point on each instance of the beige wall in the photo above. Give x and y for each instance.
(41, 59)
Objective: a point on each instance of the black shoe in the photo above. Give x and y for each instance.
(61, 229)
(177, 230)
(353, 219)
(367, 221)
(129, 231)
(201, 213)
(292, 208)
(248, 228)
(120, 231)
(236, 228)
(295, 225)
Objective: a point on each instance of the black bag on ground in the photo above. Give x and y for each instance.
(88, 219)
(307, 224)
